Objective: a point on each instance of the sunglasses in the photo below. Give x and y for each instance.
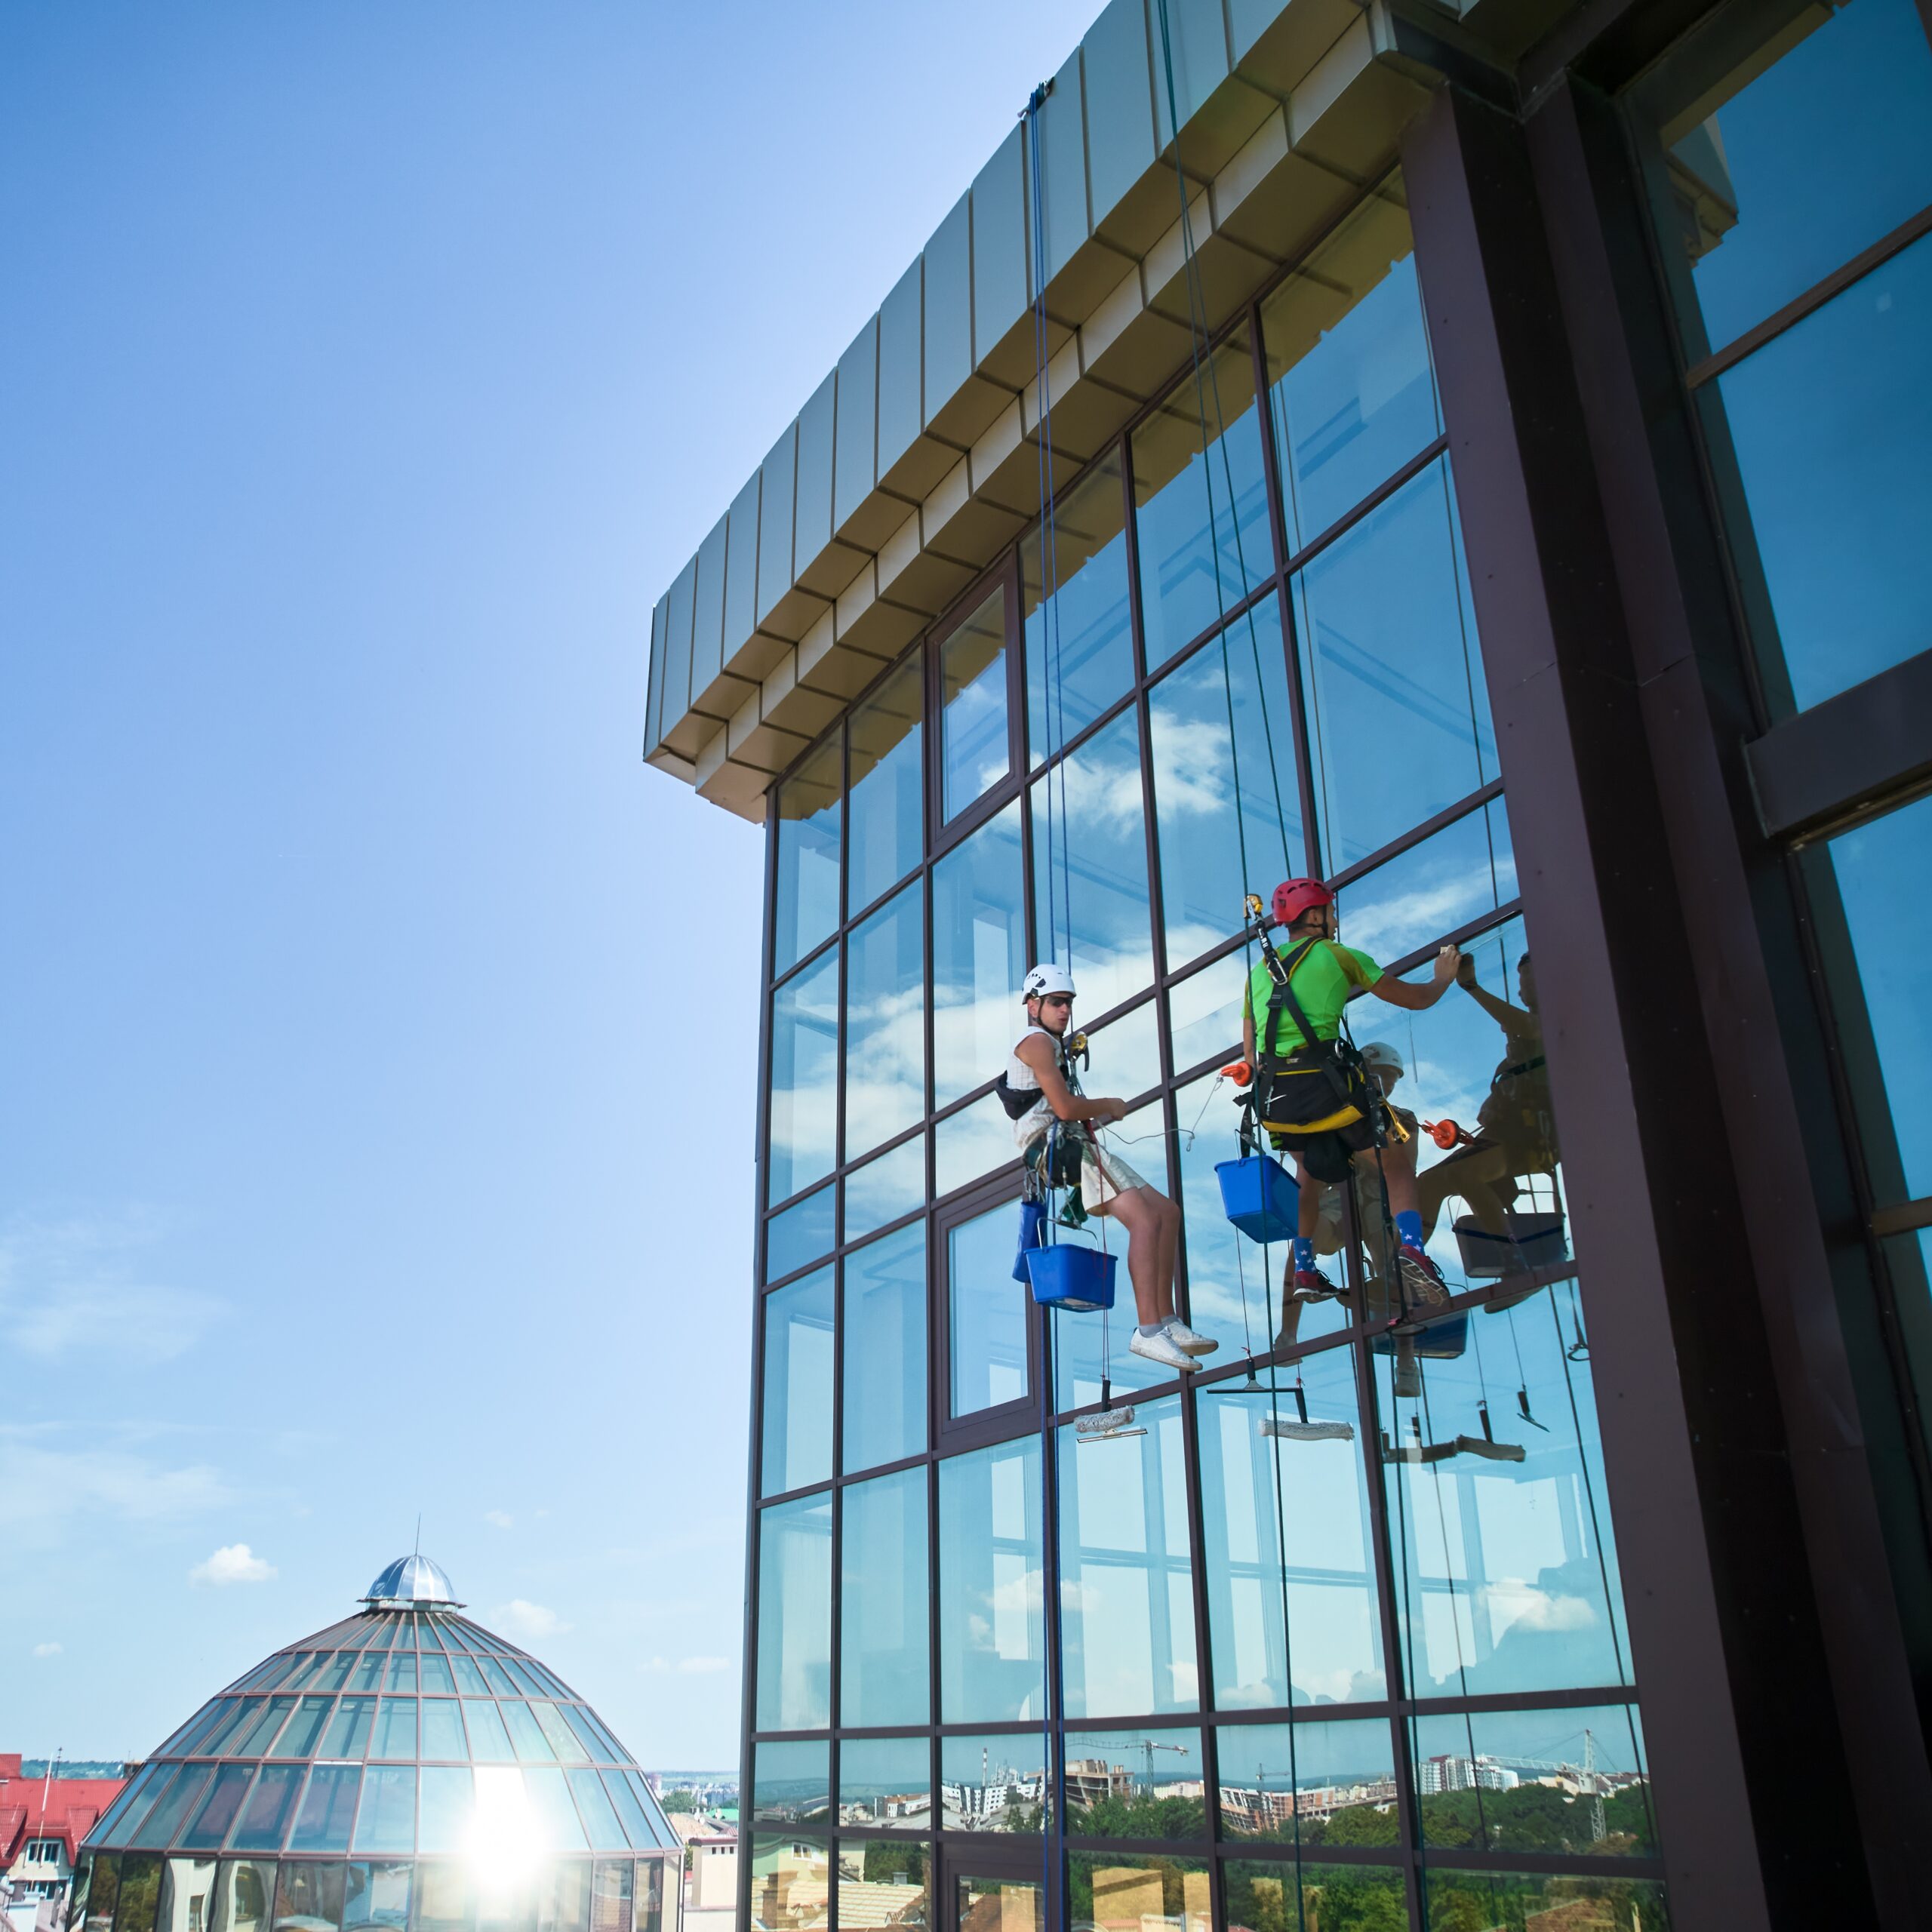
(1057, 999)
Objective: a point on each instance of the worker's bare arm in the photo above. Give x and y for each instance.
(1418, 997)
(1067, 1104)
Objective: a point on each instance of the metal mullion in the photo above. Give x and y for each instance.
(1482, 1703)
(1376, 498)
(820, 947)
(824, 1486)
(1441, 822)
(1483, 924)
(1827, 289)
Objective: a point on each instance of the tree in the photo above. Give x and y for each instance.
(679, 1800)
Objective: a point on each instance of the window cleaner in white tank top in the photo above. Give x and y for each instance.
(1108, 1185)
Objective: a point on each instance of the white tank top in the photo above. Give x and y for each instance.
(1023, 1079)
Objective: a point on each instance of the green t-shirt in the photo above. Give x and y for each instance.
(1322, 982)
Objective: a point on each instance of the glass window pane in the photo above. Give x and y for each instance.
(611, 1895)
(995, 1783)
(489, 1742)
(328, 1805)
(1392, 673)
(1202, 518)
(883, 1649)
(1461, 1897)
(798, 1384)
(1127, 1571)
(1562, 1782)
(1289, 1784)
(159, 1826)
(1777, 172)
(1506, 1578)
(244, 1895)
(376, 1895)
(1823, 433)
(986, 1312)
(1350, 388)
(595, 1747)
(129, 1810)
(299, 1735)
(394, 1734)
(785, 1868)
(1204, 1018)
(992, 1647)
(887, 822)
(795, 1615)
(564, 1897)
(974, 739)
(1286, 1893)
(335, 1673)
(550, 1799)
(443, 1897)
(240, 1711)
(806, 910)
(886, 1781)
(885, 1349)
(526, 1733)
(442, 1730)
(1286, 1526)
(885, 1189)
(1125, 1060)
(402, 1671)
(469, 1679)
(449, 1806)
(500, 1681)
(979, 956)
(791, 1784)
(1135, 1784)
(600, 1817)
(265, 1817)
(885, 1024)
(888, 1878)
(971, 1143)
(1079, 644)
(308, 1898)
(1118, 1888)
(1461, 872)
(799, 1236)
(804, 1078)
(527, 1679)
(1196, 777)
(217, 1811)
(637, 1827)
(562, 1740)
(386, 1821)
(368, 1672)
(1098, 906)
(436, 1676)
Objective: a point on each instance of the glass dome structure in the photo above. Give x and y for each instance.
(403, 1769)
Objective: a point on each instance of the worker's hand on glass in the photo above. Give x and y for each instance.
(1106, 1113)
(1466, 972)
(1448, 963)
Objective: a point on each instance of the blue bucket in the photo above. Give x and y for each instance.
(1259, 1196)
(1065, 1276)
(1440, 1341)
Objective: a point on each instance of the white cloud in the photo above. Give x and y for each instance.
(527, 1619)
(233, 1563)
(48, 1650)
(500, 1519)
(71, 1284)
(703, 1666)
(45, 1490)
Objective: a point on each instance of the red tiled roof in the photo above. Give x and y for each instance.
(71, 1806)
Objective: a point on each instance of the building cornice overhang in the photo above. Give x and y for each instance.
(917, 460)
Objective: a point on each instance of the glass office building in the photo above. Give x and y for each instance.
(1504, 493)
(404, 1769)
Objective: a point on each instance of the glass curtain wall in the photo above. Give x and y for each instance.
(1339, 1631)
(1788, 158)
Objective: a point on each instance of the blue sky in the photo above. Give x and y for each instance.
(377, 1034)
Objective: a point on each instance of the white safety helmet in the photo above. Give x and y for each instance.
(1380, 1053)
(1047, 978)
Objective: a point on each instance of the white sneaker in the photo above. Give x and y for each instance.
(1160, 1347)
(1183, 1337)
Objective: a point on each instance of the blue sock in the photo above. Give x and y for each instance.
(1408, 1227)
(1304, 1254)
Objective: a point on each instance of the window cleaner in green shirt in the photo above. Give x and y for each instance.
(1318, 1104)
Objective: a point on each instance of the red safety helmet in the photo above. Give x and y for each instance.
(1295, 897)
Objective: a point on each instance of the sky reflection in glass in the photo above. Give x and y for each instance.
(979, 956)
(992, 1642)
(883, 1652)
(1079, 647)
(885, 1023)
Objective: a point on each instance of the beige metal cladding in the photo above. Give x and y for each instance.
(916, 458)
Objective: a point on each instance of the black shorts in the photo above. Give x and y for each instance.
(1320, 1109)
